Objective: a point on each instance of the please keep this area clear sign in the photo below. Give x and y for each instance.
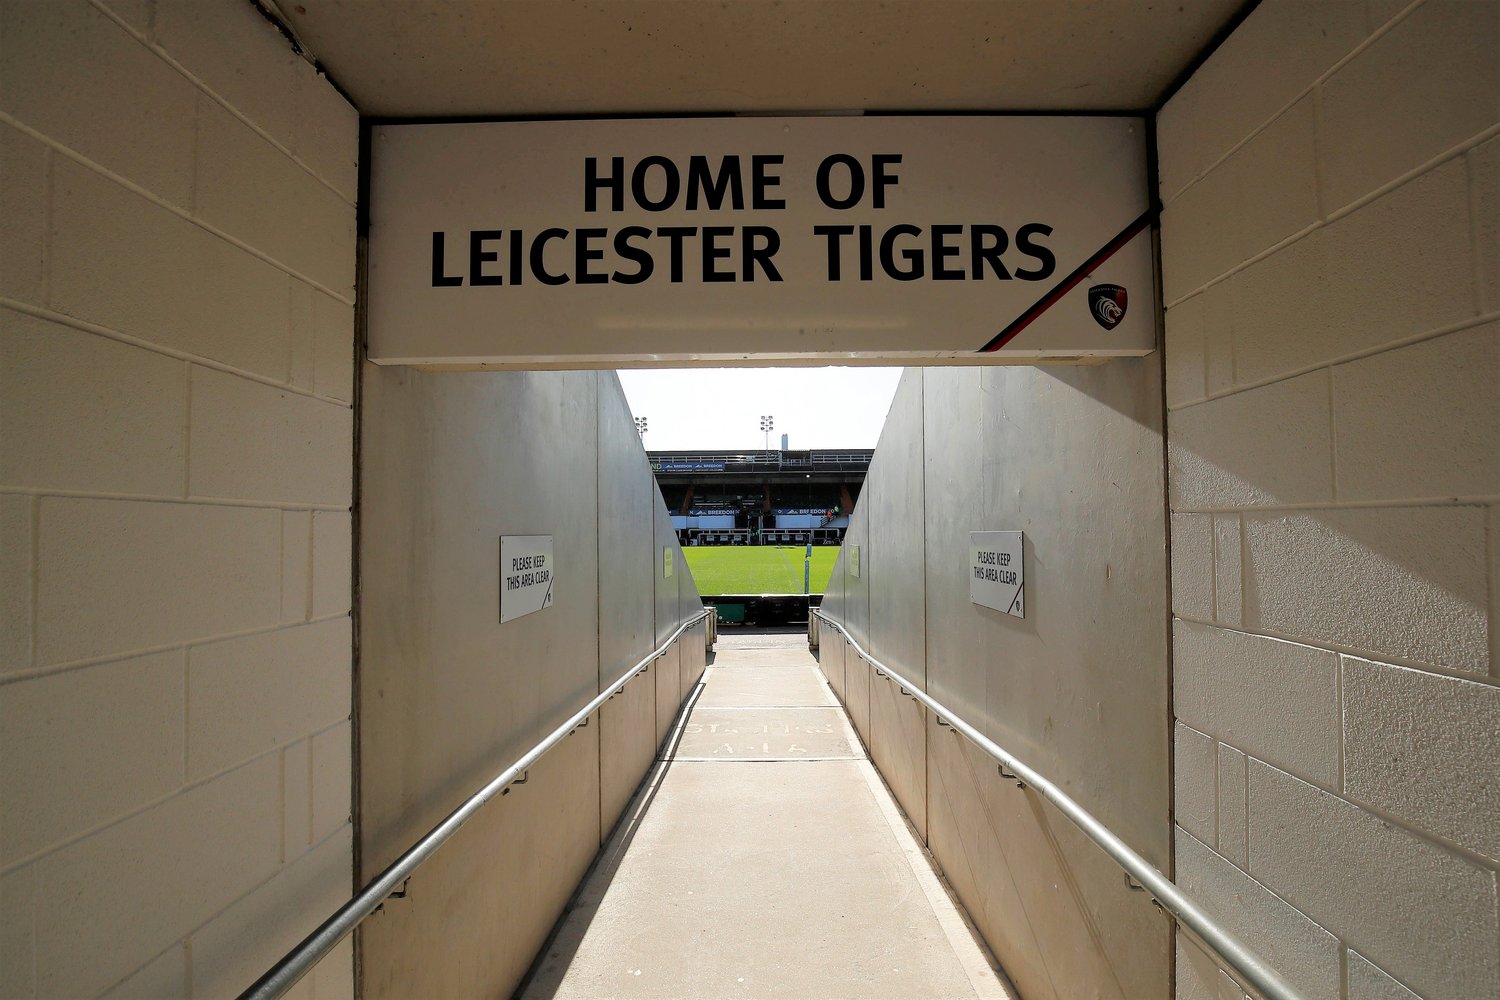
(997, 577)
(576, 244)
(526, 575)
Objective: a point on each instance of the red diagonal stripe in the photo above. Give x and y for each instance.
(1067, 284)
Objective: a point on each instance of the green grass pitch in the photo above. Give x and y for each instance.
(758, 569)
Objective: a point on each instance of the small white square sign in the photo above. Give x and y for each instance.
(526, 575)
(666, 561)
(997, 577)
(854, 561)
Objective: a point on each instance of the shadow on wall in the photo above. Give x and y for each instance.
(1285, 518)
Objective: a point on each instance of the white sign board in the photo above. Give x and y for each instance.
(997, 577)
(666, 561)
(576, 244)
(526, 575)
(854, 561)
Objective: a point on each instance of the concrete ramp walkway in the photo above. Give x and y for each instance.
(764, 858)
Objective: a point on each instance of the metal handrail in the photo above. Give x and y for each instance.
(1256, 972)
(299, 961)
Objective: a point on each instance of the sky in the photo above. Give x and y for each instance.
(720, 408)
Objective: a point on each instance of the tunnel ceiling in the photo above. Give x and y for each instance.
(558, 57)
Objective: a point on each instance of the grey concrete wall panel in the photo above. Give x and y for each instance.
(831, 660)
(898, 747)
(668, 600)
(628, 498)
(693, 647)
(666, 673)
(449, 696)
(627, 746)
(833, 593)
(451, 463)
(857, 675)
(952, 467)
(832, 647)
(480, 909)
(668, 667)
(1072, 456)
(1078, 687)
(856, 605)
(1052, 905)
(893, 506)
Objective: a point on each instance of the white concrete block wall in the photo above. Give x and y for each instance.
(1330, 262)
(176, 375)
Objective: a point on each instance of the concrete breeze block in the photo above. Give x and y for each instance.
(1427, 85)
(135, 13)
(1429, 914)
(1231, 804)
(300, 365)
(1304, 953)
(296, 800)
(1264, 445)
(1192, 566)
(322, 342)
(1275, 700)
(1425, 748)
(23, 206)
(239, 56)
(240, 943)
(1484, 171)
(1227, 589)
(1349, 286)
(118, 575)
(1494, 533)
(1401, 582)
(16, 546)
(1218, 336)
(333, 347)
(1199, 977)
(329, 139)
(251, 190)
(1194, 769)
(1283, 48)
(1421, 421)
(331, 768)
(111, 735)
(83, 412)
(332, 558)
(243, 59)
(249, 695)
(1264, 192)
(122, 262)
(18, 933)
(1366, 982)
(130, 112)
(162, 978)
(1184, 352)
(333, 978)
(92, 928)
(296, 565)
(256, 442)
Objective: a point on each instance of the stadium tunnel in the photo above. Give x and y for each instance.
(269, 714)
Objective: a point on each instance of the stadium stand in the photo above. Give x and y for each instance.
(778, 497)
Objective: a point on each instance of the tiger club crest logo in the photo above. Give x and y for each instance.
(1107, 305)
